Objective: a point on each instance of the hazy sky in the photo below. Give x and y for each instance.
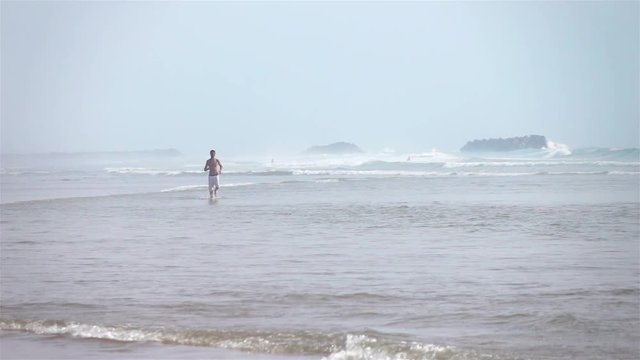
(250, 77)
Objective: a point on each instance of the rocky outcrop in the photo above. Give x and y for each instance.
(338, 148)
(508, 144)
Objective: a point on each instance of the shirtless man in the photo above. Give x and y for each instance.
(215, 168)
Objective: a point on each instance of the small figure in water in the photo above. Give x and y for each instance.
(215, 169)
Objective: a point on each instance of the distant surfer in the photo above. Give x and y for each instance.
(215, 169)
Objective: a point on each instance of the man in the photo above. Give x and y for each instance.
(215, 168)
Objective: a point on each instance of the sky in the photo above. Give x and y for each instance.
(258, 77)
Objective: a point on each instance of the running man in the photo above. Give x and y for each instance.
(215, 169)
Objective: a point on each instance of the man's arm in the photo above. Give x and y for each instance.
(206, 166)
(220, 164)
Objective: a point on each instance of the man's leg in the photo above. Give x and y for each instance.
(216, 185)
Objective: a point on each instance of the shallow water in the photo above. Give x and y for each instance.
(325, 264)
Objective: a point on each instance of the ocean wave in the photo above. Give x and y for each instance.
(552, 155)
(572, 173)
(154, 172)
(327, 180)
(415, 165)
(491, 169)
(555, 149)
(406, 173)
(474, 163)
(23, 172)
(398, 173)
(538, 163)
(269, 172)
(185, 188)
(171, 172)
(368, 347)
(331, 345)
(621, 154)
(400, 165)
(346, 172)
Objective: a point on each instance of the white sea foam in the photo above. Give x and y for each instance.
(23, 172)
(339, 346)
(185, 188)
(403, 173)
(342, 161)
(82, 330)
(365, 347)
(203, 187)
(557, 149)
(147, 171)
(409, 164)
(536, 163)
(327, 181)
(624, 172)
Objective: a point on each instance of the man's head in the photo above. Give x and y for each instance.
(213, 153)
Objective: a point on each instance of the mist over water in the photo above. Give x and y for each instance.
(54, 175)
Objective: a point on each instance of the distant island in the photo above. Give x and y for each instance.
(508, 144)
(339, 148)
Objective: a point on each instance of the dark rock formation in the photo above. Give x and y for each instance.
(508, 144)
(335, 148)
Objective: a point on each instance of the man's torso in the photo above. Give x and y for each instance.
(214, 168)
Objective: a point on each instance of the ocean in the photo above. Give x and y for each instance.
(522, 255)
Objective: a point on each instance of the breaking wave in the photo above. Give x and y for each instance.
(155, 172)
(330, 345)
(557, 155)
(556, 159)
(627, 154)
(556, 149)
